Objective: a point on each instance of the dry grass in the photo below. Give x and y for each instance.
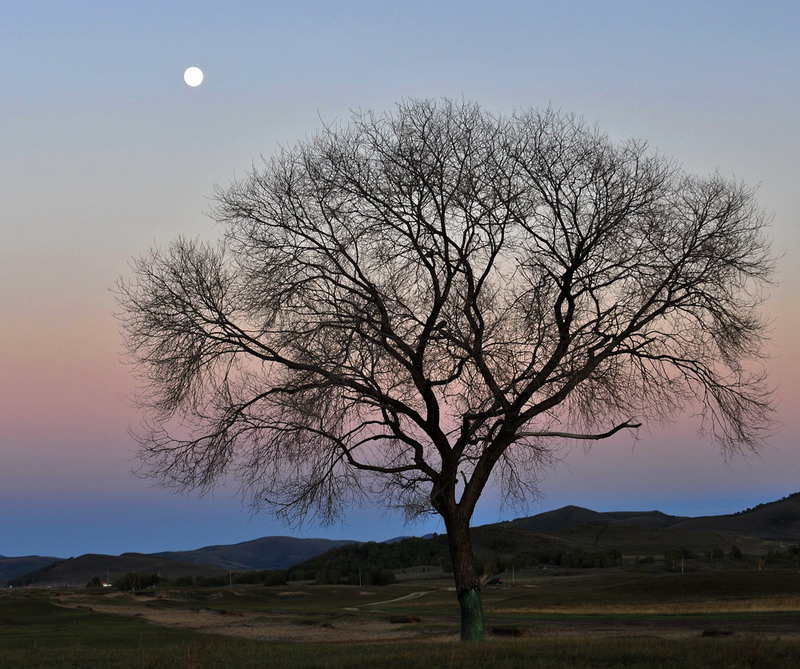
(762, 605)
(336, 628)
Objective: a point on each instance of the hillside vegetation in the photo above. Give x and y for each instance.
(571, 537)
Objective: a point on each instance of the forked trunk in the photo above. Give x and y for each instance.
(465, 574)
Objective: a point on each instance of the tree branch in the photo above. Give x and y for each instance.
(574, 435)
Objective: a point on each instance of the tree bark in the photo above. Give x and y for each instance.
(465, 575)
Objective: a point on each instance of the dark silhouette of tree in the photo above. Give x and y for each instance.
(410, 304)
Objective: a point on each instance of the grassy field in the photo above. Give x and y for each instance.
(601, 618)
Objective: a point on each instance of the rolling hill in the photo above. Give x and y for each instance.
(777, 521)
(78, 571)
(768, 526)
(559, 519)
(576, 531)
(14, 567)
(773, 521)
(263, 553)
(644, 518)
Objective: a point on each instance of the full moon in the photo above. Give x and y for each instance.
(193, 76)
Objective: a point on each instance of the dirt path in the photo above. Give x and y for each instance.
(348, 624)
(413, 595)
(272, 626)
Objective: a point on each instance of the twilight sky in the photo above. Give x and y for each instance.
(105, 152)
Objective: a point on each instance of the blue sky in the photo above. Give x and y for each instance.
(105, 152)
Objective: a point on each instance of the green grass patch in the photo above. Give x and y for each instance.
(36, 632)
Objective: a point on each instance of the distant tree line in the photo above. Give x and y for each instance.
(366, 577)
(572, 557)
(790, 553)
(372, 564)
(346, 563)
(132, 581)
(136, 581)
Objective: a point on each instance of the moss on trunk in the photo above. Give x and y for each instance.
(471, 614)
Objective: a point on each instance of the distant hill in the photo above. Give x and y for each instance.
(773, 521)
(560, 519)
(78, 571)
(11, 568)
(575, 530)
(394, 540)
(648, 540)
(642, 532)
(351, 560)
(765, 527)
(264, 553)
(506, 540)
(570, 516)
(644, 518)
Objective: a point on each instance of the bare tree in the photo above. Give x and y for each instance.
(410, 304)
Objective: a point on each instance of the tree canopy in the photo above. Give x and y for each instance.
(408, 304)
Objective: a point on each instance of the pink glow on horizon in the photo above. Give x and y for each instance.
(97, 168)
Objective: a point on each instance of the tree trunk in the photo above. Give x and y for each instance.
(465, 575)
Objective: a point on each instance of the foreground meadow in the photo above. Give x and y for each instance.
(589, 618)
